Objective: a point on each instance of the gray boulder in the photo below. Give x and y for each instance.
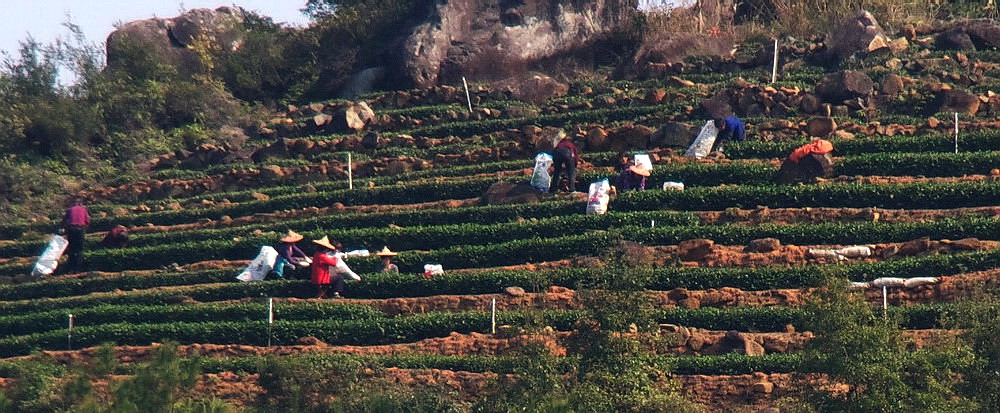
(478, 39)
(170, 39)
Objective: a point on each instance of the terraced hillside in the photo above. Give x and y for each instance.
(726, 262)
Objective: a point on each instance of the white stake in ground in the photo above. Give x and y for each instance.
(468, 99)
(956, 132)
(885, 303)
(350, 174)
(774, 67)
(270, 318)
(493, 317)
(69, 334)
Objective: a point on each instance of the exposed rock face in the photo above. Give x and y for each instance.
(503, 193)
(170, 39)
(957, 101)
(860, 33)
(845, 85)
(461, 35)
(674, 134)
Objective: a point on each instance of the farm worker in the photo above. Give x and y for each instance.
(387, 265)
(322, 261)
(75, 224)
(289, 255)
(630, 176)
(818, 147)
(565, 155)
(807, 163)
(730, 129)
(116, 238)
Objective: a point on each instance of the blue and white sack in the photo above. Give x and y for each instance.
(260, 266)
(49, 260)
(703, 143)
(540, 178)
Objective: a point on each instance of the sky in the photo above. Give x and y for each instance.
(43, 19)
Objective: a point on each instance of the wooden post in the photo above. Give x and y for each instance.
(468, 99)
(774, 67)
(350, 173)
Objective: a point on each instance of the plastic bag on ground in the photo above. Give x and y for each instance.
(918, 281)
(887, 282)
(857, 251)
(598, 197)
(49, 260)
(703, 143)
(260, 266)
(825, 253)
(430, 270)
(540, 178)
(670, 185)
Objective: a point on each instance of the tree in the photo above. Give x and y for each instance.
(868, 354)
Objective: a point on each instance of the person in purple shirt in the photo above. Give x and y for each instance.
(565, 157)
(290, 256)
(730, 129)
(75, 227)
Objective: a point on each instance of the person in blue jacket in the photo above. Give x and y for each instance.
(730, 129)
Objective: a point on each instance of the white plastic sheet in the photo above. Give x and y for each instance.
(260, 266)
(703, 143)
(598, 197)
(49, 260)
(540, 178)
(431, 270)
(642, 159)
(673, 186)
(342, 268)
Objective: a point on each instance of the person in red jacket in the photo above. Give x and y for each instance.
(75, 224)
(565, 155)
(325, 258)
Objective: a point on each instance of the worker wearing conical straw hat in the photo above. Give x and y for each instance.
(387, 265)
(290, 256)
(321, 262)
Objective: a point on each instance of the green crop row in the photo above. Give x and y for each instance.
(11, 325)
(407, 329)
(525, 246)
(723, 364)
(72, 293)
(942, 143)
(858, 195)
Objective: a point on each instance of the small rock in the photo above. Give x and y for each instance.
(821, 126)
(764, 387)
(514, 291)
(914, 247)
(694, 249)
(763, 245)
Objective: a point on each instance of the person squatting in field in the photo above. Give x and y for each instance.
(290, 257)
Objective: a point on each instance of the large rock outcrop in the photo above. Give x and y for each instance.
(494, 39)
(862, 33)
(172, 39)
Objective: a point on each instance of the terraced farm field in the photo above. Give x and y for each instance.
(726, 264)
